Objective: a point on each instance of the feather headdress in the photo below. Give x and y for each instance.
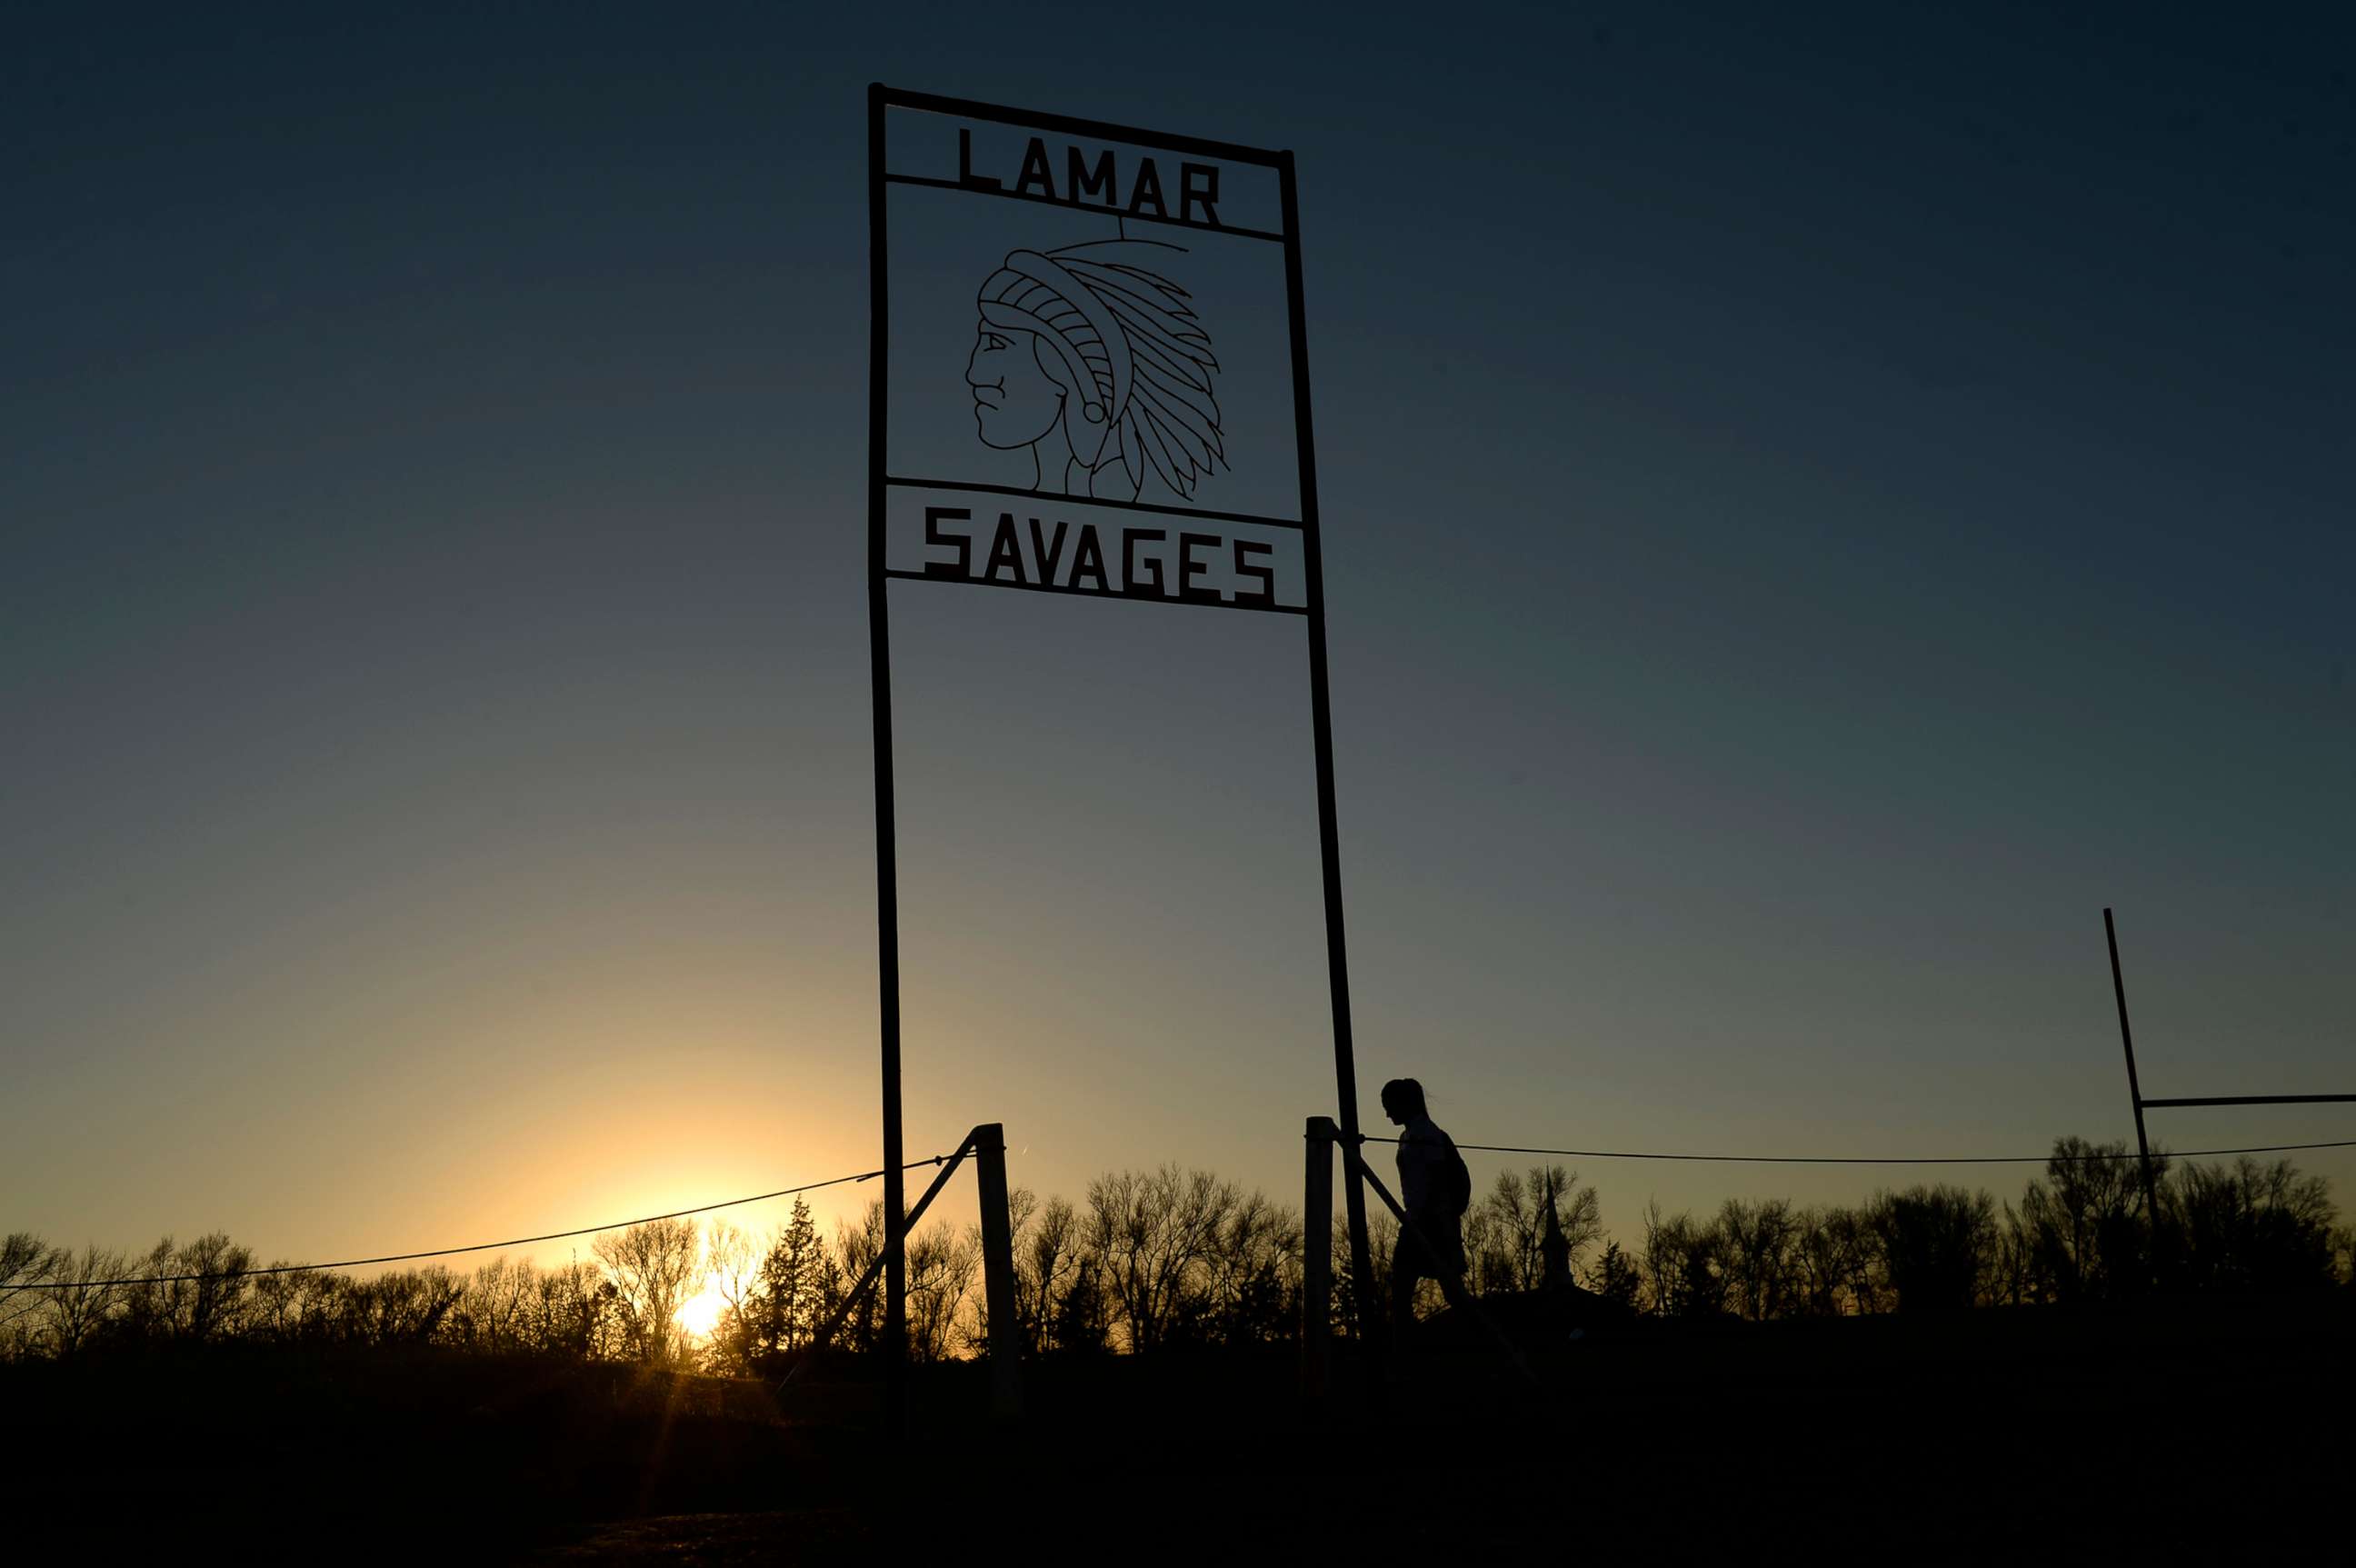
(1134, 352)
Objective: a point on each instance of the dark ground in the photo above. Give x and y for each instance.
(2162, 1430)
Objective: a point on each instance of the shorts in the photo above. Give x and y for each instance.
(1446, 1234)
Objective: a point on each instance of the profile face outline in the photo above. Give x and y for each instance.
(1016, 402)
(1093, 360)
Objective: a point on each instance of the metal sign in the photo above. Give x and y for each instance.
(1088, 374)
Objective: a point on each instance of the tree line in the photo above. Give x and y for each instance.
(1159, 1259)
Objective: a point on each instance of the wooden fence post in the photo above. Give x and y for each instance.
(1317, 1261)
(997, 1273)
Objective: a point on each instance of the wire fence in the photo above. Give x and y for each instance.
(1888, 1159)
(938, 1159)
(475, 1247)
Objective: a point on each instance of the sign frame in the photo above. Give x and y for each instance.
(880, 179)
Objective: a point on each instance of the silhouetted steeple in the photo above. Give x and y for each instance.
(1554, 1247)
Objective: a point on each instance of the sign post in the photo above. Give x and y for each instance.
(1132, 423)
(887, 853)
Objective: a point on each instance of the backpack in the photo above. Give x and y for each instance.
(1456, 1181)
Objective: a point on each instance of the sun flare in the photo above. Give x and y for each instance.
(700, 1312)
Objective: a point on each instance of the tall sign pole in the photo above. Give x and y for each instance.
(887, 856)
(1329, 835)
(1078, 403)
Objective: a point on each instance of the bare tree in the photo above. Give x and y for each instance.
(856, 1248)
(495, 1313)
(1681, 1265)
(1152, 1228)
(1058, 1290)
(1938, 1245)
(1836, 1261)
(940, 1275)
(1252, 1273)
(285, 1305)
(940, 1270)
(25, 1262)
(652, 1268)
(80, 1301)
(2251, 1225)
(1082, 1325)
(1356, 1304)
(1047, 1256)
(1167, 1256)
(571, 1312)
(1505, 1231)
(203, 1291)
(973, 1327)
(2086, 1223)
(2012, 1273)
(1756, 1246)
(405, 1306)
(734, 1267)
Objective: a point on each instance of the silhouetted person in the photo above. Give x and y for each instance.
(1436, 1190)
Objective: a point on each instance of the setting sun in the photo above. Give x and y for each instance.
(700, 1312)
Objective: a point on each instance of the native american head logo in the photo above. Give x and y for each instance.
(1094, 361)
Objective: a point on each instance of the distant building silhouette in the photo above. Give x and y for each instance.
(1554, 1248)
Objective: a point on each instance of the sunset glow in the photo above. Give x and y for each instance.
(701, 1312)
(1802, 542)
(834, 784)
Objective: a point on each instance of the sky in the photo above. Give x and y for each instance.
(1816, 507)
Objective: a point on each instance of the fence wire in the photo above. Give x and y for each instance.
(938, 1159)
(476, 1246)
(1888, 1159)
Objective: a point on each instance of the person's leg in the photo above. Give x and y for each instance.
(1405, 1272)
